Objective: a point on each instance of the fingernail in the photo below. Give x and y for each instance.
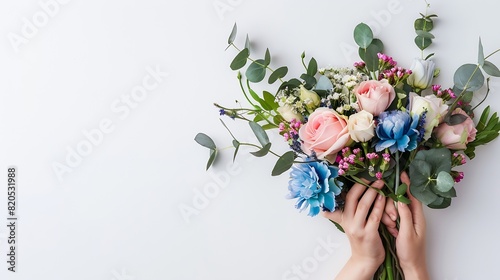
(400, 204)
(379, 197)
(393, 217)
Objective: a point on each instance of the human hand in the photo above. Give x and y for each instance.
(411, 237)
(361, 228)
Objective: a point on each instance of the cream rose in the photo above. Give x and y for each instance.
(288, 113)
(433, 105)
(325, 133)
(361, 126)
(456, 137)
(310, 98)
(374, 96)
(422, 73)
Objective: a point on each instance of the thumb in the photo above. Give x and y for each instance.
(406, 219)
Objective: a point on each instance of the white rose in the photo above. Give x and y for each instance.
(435, 107)
(288, 113)
(361, 126)
(422, 73)
(310, 98)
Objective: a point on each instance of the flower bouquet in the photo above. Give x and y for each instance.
(364, 123)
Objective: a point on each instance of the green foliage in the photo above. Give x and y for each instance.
(260, 133)
(284, 163)
(363, 35)
(468, 77)
(488, 129)
(240, 60)
(423, 26)
(278, 74)
(431, 182)
(207, 142)
(256, 72)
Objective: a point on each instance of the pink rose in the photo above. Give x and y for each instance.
(456, 137)
(374, 96)
(325, 133)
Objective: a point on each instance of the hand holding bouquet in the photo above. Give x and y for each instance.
(354, 125)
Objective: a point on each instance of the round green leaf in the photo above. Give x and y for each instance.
(422, 42)
(468, 77)
(240, 60)
(363, 35)
(205, 141)
(424, 25)
(444, 182)
(256, 71)
(491, 69)
(278, 74)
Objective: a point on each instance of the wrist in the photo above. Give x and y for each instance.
(415, 272)
(367, 265)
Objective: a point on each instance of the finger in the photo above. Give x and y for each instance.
(406, 219)
(351, 200)
(335, 216)
(390, 224)
(366, 202)
(417, 211)
(377, 213)
(415, 206)
(390, 209)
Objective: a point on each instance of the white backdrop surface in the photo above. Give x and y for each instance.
(99, 105)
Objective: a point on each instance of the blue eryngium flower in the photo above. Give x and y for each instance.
(397, 130)
(313, 184)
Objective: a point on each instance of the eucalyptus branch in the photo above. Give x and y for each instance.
(254, 61)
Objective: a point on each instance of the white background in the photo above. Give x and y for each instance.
(116, 213)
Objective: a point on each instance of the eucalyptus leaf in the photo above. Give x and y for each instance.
(267, 57)
(211, 159)
(278, 74)
(363, 35)
(284, 163)
(260, 133)
(292, 83)
(456, 119)
(468, 77)
(262, 152)
(312, 67)
(371, 58)
(424, 25)
(422, 42)
(247, 43)
(240, 60)
(438, 159)
(236, 145)
(480, 55)
(424, 34)
(324, 83)
(423, 193)
(440, 203)
(444, 181)
(310, 80)
(205, 141)
(230, 40)
(256, 72)
(491, 69)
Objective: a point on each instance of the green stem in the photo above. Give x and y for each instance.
(388, 264)
(485, 96)
(396, 185)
